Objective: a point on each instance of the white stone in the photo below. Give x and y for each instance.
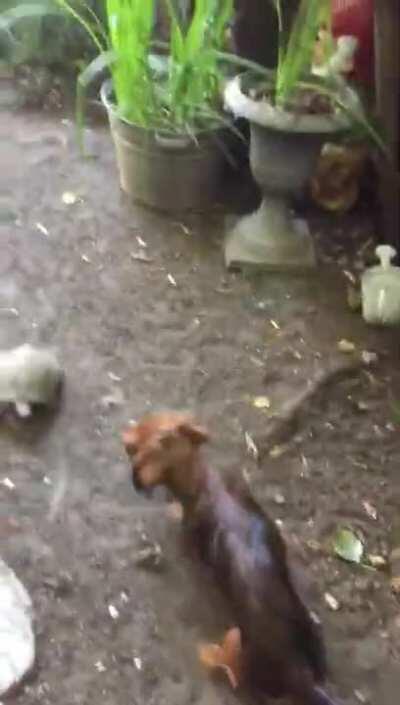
(17, 641)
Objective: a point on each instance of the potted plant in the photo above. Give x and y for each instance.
(165, 111)
(291, 113)
(166, 118)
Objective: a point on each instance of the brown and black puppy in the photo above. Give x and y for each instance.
(276, 646)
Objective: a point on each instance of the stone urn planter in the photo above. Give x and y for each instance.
(284, 148)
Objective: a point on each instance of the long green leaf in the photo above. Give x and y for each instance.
(296, 58)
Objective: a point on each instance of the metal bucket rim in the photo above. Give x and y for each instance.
(105, 93)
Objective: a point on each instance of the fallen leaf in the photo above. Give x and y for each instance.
(113, 377)
(12, 310)
(314, 545)
(346, 346)
(138, 663)
(371, 510)
(279, 498)
(42, 229)
(274, 324)
(378, 562)
(7, 483)
(251, 446)
(69, 198)
(140, 257)
(171, 280)
(184, 228)
(350, 276)
(348, 546)
(277, 451)
(113, 612)
(362, 406)
(261, 403)
(332, 602)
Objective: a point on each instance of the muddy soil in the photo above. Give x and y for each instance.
(178, 331)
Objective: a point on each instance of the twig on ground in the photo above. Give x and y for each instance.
(282, 425)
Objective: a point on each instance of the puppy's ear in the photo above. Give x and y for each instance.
(194, 432)
(129, 439)
(166, 439)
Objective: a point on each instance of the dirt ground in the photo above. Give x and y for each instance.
(131, 340)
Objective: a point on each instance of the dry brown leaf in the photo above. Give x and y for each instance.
(251, 446)
(346, 346)
(370, 510)
(378, 562)
(69, 198)
(261, 403)
(277, 451)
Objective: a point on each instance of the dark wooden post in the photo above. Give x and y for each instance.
(387, 77)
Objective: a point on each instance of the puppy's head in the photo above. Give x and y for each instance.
(162, 448)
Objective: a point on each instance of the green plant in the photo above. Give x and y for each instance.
(297, 45)
(186, 96)
(130, 30)
(294, 76)
(194, 77)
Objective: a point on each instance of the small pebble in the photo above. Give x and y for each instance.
(279, 498)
